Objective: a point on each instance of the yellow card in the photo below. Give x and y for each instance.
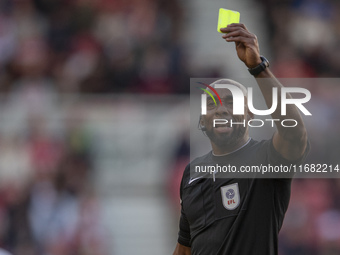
(226, 17)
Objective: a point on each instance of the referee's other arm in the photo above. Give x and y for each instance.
(182, 250)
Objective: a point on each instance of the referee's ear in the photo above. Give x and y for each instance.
(201, 125)
(250, 115)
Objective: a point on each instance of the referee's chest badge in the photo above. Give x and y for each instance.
(230, 196)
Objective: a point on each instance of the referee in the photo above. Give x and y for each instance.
(240, 216)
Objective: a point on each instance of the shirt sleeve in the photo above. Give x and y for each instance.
(184, 231)
(184, 227)
(279, 167)
(276, 158)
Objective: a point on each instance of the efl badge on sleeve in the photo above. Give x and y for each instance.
(230, 196)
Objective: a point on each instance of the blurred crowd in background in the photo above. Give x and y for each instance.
(92, 46)
(304, 39)
(53, 47)
(47, 202)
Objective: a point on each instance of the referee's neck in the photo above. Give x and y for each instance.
(228, 149)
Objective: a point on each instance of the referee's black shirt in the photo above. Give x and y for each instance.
(234, 216)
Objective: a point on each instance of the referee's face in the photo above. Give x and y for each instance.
(228, 134)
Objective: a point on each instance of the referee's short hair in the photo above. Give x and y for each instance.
(231, 82)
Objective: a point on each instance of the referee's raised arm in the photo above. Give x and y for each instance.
(290, 142)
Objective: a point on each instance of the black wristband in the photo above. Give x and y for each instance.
(261, 67)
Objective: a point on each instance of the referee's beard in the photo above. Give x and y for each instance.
(224, 140)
